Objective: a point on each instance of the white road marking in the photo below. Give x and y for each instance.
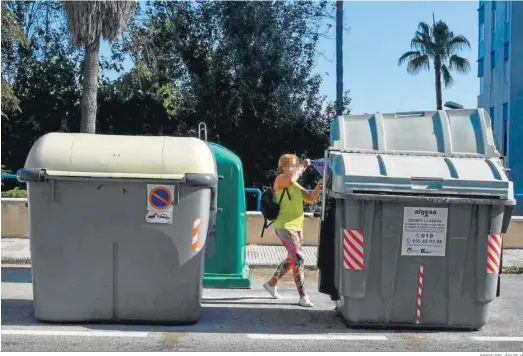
(142, 334)
(497, 338)
(75, 333)
(354, 337)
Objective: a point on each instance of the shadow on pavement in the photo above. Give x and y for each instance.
(245, 301)
(240, 318)
(237, 319)
(18, 312)
(228, 299)
(16, 275)
(259, 315)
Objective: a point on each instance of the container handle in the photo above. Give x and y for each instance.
(202, 127)
(432, 183)
(25, 175)
(427, 179)
(409, 113)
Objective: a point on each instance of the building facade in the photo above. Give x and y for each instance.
(500, 70)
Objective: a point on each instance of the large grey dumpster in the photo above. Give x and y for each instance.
(118, 225)
(421, 202)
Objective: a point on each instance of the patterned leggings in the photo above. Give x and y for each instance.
(293, 241)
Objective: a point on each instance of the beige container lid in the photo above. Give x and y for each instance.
(88, 155)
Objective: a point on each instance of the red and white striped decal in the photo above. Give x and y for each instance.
(494, 253)
(353, 249)
(420, 292)
(195, 246)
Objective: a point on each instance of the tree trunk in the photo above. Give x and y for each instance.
(439, 96)
(90, 87)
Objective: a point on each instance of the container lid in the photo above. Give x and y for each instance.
(458, 133)
(88, 155)
(385, 173)
(224, 156)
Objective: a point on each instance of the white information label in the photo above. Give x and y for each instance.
(424, 231)
(159, 204)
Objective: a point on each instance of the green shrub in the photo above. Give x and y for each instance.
(15, 193)
(5, 170)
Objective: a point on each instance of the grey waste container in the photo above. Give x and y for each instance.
(118, 225)
(421, 203)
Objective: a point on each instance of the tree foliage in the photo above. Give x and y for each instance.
(44, 76)
(12, 36)
(438, 45)
(246, 69)
(88, 22)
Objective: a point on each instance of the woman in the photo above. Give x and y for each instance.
(289, 223)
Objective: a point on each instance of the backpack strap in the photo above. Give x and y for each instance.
(285, 190)
(265, 225)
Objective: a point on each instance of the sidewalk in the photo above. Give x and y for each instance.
(16, 251)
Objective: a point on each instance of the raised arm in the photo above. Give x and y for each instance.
(285, 180)
(311, 197)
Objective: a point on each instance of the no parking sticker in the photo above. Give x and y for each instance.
(159, 204)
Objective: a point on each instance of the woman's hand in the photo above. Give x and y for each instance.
(306, 163)
(311, 197)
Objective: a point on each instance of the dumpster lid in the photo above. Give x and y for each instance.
(383, 173)
(457, 133)
(113, 156)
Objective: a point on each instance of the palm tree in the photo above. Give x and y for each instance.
(87, 22)
(439, 45)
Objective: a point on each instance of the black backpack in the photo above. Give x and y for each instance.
(269, 208)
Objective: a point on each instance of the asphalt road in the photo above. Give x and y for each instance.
(247, 320)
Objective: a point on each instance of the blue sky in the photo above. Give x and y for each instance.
(380, 32)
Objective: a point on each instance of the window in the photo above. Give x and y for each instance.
(492, 116)
(506, 72)
(482, 32)
(507, 31)
(506, 51)
(481, 90)
(480, 67)
(507, 11)
(491, 80)
(493, 20)
(505, 129)
(493, 59)
(481, 14)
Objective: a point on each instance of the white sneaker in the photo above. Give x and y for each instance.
(305, 302)
(272, 290)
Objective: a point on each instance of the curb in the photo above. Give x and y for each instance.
(27, 261)
(16, 261)
(513, 270)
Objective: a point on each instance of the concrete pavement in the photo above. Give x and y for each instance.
(16, 251)
(248, 320)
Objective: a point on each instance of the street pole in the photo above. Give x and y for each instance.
(339, 58)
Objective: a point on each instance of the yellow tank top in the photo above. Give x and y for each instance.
(291, 211)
